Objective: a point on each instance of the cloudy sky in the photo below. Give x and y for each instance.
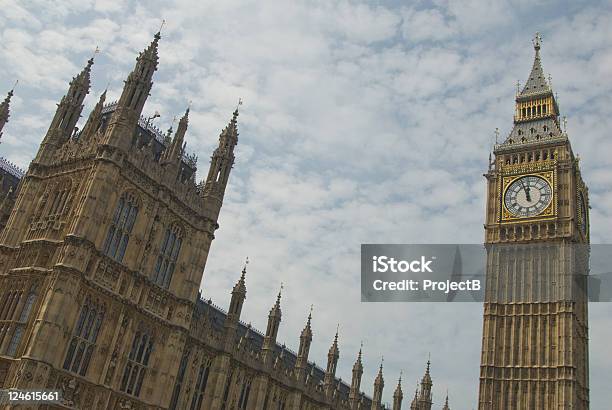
(362, 122)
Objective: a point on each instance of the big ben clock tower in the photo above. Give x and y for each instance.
(535, 328)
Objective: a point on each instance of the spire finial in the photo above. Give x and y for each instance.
(280, 291)
(518, 87)
(496, 135)
(235, 115)
(14, 86)
(244, 268)
(161, 27)
(537, 41)
(399, 381)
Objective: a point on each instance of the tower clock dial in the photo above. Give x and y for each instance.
(528, 196)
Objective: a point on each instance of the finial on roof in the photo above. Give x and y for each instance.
(496, 135)
(280, 291)
(537, 41)
(244, 268)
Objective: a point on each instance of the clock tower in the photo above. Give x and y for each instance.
(535, 328)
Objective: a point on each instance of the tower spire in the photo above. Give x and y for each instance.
(332, 362)
(175, 150)
(220, 167)
(536, 114)
(354, 394)
(274, 320)
(446, 406)
(5, 109)
(379, 384)
(398, 395)
(95, 118)
(425, 395)
(536, 83)
(67, 114)
(304, 349)
(238, 296)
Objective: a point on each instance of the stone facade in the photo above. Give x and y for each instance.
(101, 261)
(535, 330)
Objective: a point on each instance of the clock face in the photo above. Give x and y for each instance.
(528, 196)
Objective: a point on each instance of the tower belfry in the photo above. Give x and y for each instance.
(535, 327)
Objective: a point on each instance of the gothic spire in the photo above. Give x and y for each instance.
(332, 361)
(5, 110)
(175, 149)
(93, 122)
(274, 320)
(305, 342)
(425, 396)
(354, 393)
(414, 405)
(67, 114)
(398, 395)
(446, 406)
(307, 331)
(536, 83)
(220, 167)
(379, 384)
(139, 81)
(238, 296)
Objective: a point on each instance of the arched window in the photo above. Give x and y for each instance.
(168, 255)
(120, 228)
(60, 197)
(84, 337)
(21, 322)
(200, 387)
(244, 394)
(138, 361)
(179, 380)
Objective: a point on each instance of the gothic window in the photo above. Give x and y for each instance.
(21, 321)
(9, 304)
(60, 198)
(200, 386)
(179, 381)
(168, 254)
(121, 227)
(244, 395)
(84, 337)
(137, 364)
(228, 386)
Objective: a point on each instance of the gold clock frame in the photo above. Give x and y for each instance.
(508, 178)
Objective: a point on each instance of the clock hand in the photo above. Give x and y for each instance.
(526, 188)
